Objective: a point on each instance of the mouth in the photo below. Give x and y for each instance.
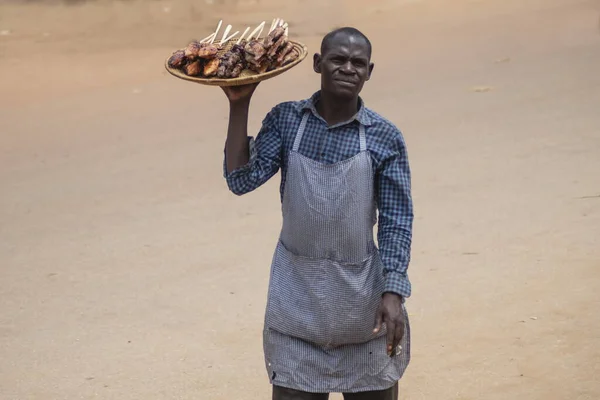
(344, 82)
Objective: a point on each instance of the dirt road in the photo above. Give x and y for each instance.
(128, 271)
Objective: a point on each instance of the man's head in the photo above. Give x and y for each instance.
(344, 62)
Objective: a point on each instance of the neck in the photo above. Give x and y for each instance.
(335, 110)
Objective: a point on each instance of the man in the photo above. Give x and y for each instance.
(335, 319)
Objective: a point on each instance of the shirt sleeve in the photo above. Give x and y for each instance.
(395, 206)
(264, 160)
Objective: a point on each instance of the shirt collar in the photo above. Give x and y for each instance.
(310, 104)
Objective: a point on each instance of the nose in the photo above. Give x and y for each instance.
(347, 68)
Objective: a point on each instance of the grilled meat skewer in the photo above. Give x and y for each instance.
(283, 53)
(207, 51)
(232, 63)
(272, 37)
(211, 67)
(191, 51)
(177, 60)
(194, 68)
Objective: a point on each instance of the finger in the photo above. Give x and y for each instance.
(391, 329)
(378, 320)
(399, 332)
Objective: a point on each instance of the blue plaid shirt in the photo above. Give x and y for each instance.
(330, 144)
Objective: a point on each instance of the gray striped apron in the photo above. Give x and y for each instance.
(327, 281)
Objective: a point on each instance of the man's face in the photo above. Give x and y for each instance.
(344, 65)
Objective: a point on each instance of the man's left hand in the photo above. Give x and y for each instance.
(390, 313)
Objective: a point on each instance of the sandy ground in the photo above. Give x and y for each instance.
(128, 271)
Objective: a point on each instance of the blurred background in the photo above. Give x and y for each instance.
(128, 271)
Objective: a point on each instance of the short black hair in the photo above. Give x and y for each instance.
(347, 30)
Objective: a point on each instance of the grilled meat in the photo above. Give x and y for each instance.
(290, 57)
(191, 51)
(211, 67)
(193, 68)
(278, 45)
(207, 51)
(261, 56)
(283, 53)
(177, 59)
(237, 70)
(273, 37)
(261, 67)
(232, 63)
(255, 49)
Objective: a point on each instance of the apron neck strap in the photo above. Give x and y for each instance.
(300, 131)
(361, 134)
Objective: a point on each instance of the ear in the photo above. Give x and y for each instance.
(371, 66)
(317, 63)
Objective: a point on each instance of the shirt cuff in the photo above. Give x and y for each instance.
(397, 283)
(241, 169)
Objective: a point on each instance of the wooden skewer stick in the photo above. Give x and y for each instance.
(228, 38)
(216, 32)
(273, 24)
(207, 38)
(253, 34)
(280, 22)
(284, 26)
(243, 34)
(262, 26)
(218, 27)
(225, 33)
(286, 31)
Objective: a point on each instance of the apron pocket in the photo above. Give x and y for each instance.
(324, 302)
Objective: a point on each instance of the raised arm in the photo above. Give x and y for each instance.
(236, 146)
(249, 163)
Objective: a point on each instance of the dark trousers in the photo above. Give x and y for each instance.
(280, 393)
